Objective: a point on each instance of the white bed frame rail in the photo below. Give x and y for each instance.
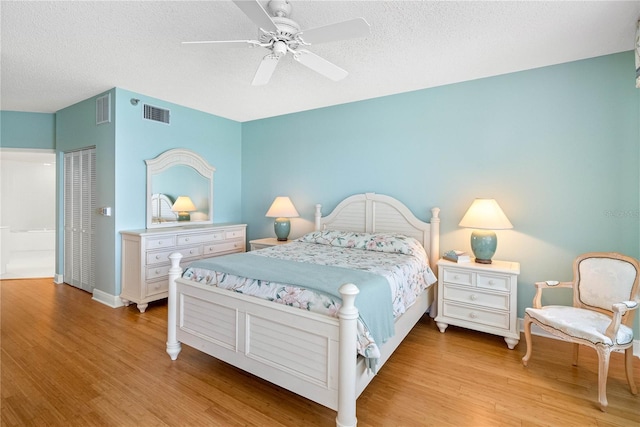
(263, 338)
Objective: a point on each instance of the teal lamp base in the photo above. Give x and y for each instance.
(483, 245)
(184, 216)
(282, 226)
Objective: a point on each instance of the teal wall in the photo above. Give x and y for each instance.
(76, 129)
(122, 147)
(558, 147)
(27, 130)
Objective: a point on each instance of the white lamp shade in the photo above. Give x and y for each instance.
(282, 208)
(485, 214)
(183, 204)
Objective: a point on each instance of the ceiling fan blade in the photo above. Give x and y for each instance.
(265, 70)
(320, 65)
(345, 30)
(226, 43)
(254, 10)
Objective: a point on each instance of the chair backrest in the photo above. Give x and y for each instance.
(604, 278)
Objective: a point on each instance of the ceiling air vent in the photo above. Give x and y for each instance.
(156, 114)
(103, 109)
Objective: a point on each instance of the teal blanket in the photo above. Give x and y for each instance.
(373, 302)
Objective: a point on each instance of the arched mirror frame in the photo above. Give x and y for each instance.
(167, 160)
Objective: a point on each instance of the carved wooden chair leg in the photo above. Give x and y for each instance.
(603, 371)
(628, 367)
(527, 336)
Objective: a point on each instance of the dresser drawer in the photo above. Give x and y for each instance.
(157, 287)
(160, 242)
(460, 277)
(191, 239)
(234, 234)
(476, 297)
(479, 315)
(488, 281)
(223, 247)
(160, 257)
(157, 272)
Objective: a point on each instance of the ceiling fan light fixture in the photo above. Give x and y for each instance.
(279, 48)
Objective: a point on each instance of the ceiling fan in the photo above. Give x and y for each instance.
(280, 34)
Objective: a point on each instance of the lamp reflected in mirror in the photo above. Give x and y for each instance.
(183, 206)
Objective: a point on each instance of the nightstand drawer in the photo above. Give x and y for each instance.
(460, 277)
(476, 297)
(496, 319)
(497, 283)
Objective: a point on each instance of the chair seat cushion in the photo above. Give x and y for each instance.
(577, 322)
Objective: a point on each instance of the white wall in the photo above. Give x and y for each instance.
(27, 202)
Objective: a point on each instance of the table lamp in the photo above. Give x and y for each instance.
(282, 209)
(183, 206)
(484, 216)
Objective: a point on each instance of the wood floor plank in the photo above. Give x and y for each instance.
(67, 360)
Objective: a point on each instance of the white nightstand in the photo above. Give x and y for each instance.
(265, 243)
(482, 297)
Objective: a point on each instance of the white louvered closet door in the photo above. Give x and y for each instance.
(79, 224)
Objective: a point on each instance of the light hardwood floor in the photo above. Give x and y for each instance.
(67, 360)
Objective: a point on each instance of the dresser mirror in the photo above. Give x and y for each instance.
(184, 174)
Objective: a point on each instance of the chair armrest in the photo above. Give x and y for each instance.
(619, 309)
(537, 299)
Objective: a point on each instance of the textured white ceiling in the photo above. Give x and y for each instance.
(54, 54)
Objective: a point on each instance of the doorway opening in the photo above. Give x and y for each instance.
(27, 213)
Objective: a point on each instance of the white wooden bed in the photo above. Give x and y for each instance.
(240, 329)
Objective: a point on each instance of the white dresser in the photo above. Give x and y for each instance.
(145, 256)
(482, 297)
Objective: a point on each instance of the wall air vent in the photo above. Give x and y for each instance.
(103, 109)
(156, 114)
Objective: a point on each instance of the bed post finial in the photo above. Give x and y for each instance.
(318, 216)
(173, 345)
(434, 255)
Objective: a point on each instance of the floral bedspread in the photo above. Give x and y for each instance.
(400, 259)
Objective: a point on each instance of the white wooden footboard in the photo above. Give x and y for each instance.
(264, 339)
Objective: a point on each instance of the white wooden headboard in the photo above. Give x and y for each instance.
(377, 213)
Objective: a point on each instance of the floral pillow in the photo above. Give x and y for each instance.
(379, 242)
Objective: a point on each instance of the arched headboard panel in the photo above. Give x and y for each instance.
(377, 213)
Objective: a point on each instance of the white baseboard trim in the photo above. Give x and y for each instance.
(102, 297)
(535, 330)
(58, 279)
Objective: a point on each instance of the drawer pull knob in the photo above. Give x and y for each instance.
(191, 251)
(473, 315)
(186, 239)
(157, 271)
(157, 256)
(491, 282)
(473, 297)
(455, 276)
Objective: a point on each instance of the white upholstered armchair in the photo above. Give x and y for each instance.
(605, 297)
